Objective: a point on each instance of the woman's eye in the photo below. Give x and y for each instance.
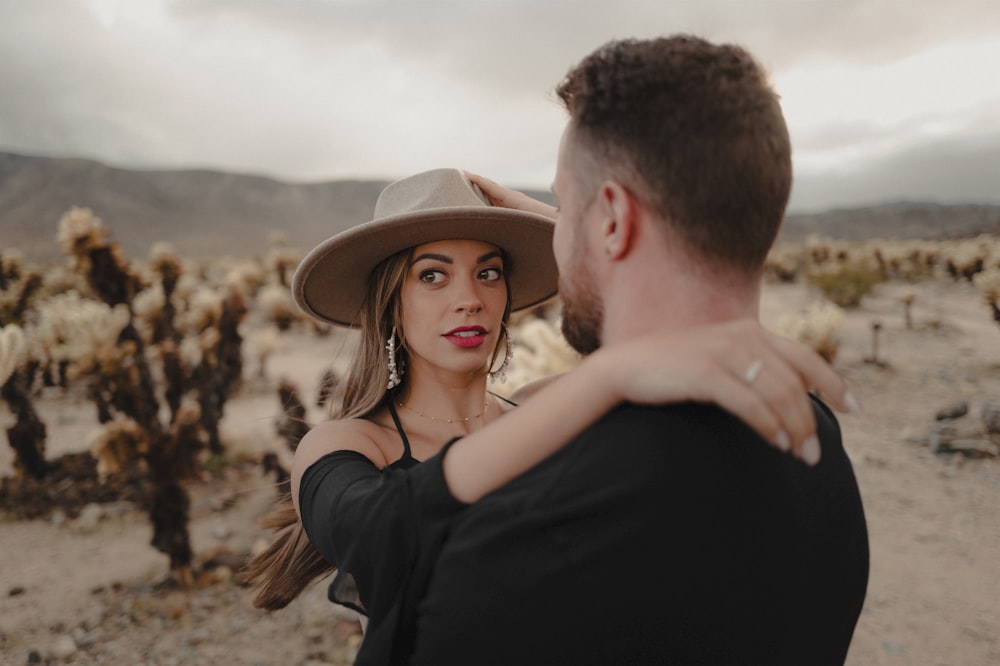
(432, 276)
(491, 274)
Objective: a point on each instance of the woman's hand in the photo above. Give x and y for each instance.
(504, 197)
(756, 375)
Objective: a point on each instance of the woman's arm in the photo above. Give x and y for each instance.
(505, 197)
(703, 364)
(372, 523)
(329, 436)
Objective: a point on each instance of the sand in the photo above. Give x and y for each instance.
(91, 590)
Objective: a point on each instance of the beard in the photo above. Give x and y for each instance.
(582, 316)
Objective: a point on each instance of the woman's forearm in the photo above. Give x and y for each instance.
(488, 458)
(704, 364)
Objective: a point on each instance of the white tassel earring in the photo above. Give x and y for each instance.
(395, 374)
(501, 372)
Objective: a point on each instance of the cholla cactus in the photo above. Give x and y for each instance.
(11, 351)
(248, 274)
(874, 358)
(964, 259)
(988, 283)
(77, 334)
(148, 306)
(263, 343)
(221, 367)
(276, 302)
(281, 261)
(907, 299)
(816, 327)
(83, 237)
(168, 267)
(119, 445)
(11, 267)
(80, 231)
(156, 307)
(826, 250)
(17, 286)
(27, 435)
(204, 310)
(784, 263)
(60, 279)
(541, 351)
(291, 425)
(905, 260)
(92, 332)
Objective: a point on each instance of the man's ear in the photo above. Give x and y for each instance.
(621, 209)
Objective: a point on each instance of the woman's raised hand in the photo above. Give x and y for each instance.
(757, 375)
(504, 197)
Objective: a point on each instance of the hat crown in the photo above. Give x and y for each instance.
(430, 190)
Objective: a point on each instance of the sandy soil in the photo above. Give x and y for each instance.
(91, 590)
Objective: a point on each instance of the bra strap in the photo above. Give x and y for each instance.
(402, 433)
(500, 397)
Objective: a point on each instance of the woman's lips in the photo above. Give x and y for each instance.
(466, 337)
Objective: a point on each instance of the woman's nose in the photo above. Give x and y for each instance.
(468, 299)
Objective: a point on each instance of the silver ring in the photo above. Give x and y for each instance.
(751, 374)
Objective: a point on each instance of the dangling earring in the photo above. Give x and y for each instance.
(395, 375)
(501, 372)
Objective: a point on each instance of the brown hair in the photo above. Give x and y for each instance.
(696, 131)
(291, 563)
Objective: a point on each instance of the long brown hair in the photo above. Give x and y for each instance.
(291, 563)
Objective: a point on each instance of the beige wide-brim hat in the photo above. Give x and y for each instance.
(437, 205)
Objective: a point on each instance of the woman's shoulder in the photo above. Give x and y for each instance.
(359, 435)
(525, 392)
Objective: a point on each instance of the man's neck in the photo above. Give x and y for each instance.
(666, 301)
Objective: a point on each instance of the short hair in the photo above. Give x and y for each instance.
(697, 132)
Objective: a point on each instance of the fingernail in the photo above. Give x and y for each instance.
(852, 404)
(781, 439)
(810, 451)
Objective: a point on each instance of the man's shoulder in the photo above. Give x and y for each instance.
(676, 423)
(691, 422)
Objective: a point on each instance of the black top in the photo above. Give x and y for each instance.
(661, 535)
(344, 588)
(378, 527)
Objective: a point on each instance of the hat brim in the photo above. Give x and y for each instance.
(332, 279)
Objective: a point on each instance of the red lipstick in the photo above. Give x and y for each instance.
(466, 337)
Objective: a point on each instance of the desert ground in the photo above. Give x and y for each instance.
(91, 590)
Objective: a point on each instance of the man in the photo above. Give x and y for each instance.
(663, 534)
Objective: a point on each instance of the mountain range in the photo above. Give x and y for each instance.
(206, 213)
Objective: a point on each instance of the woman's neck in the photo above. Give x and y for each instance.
(446, 398)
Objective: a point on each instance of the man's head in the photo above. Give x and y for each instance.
(693, 132)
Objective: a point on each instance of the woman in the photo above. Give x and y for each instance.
(431, 282)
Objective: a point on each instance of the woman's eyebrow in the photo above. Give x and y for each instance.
(443, 258)
(489, 255)
(435, 257)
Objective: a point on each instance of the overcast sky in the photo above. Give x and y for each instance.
(885, 99)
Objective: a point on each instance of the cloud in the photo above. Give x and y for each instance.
(318, 89)
(944, 171)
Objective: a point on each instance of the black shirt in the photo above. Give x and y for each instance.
(661, 535)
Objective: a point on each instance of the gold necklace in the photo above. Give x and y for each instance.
(486, 408)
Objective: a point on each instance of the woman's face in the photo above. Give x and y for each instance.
(453, 299)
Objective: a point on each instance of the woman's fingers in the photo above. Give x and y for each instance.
(762, 378)
(730, 365)
(750, 406)
(780, 389)
(505, 197)
(817, 375)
